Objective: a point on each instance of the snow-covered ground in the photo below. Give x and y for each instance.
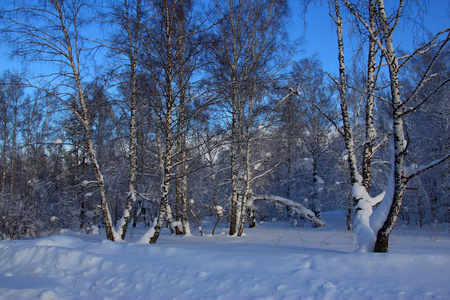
(272, 261)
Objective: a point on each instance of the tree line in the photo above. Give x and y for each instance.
(169, 112)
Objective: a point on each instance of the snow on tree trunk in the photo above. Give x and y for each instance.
(364, 210)
(385, 217)
(382, 242)
(363, 227)
(247, 193)
(132, 56)
(234, 181)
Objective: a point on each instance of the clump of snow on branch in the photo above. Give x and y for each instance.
(219, 210)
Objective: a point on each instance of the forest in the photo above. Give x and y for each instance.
(165, 113)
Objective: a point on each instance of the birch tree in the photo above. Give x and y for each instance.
(429, 137)
(129, 19)
(172, 43)
(52, 33)
(248, 39)
(316, 130)
(363, 204)
(382, 222)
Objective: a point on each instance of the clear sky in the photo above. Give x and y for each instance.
(320, 35)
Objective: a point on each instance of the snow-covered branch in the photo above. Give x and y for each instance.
(360, 193)
(297, 207)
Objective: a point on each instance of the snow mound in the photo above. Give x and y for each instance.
(273, 261)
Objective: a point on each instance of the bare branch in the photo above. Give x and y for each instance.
(425, 78)
(425, 48)
(297, 92)
(414, 171)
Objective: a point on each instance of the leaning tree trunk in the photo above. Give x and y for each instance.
(83, 118)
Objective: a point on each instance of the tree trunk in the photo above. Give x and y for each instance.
(132, 32)
(72, 56)
(347, 131)
(182, 81)
(370, 104)
(382, 242)
(5, 143)
(169, 67)
(234, 175)
(13, 155)
(248, 193)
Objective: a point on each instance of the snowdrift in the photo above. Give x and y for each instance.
(273, 261)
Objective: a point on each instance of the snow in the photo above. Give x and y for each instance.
(319, 179)
(380, 214)
(272, 261)
(297, 207)
(344, 155)
(219, 210)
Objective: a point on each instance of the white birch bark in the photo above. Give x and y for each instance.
(355, 177)
(133, 29)
(370, 133)
(55, 37)
(165, 212)
(384, 219)
(382, 242)
(72, 55)
(247, 191)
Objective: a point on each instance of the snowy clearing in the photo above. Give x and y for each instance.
(272, 261)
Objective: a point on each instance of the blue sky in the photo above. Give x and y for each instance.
(320, 36)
